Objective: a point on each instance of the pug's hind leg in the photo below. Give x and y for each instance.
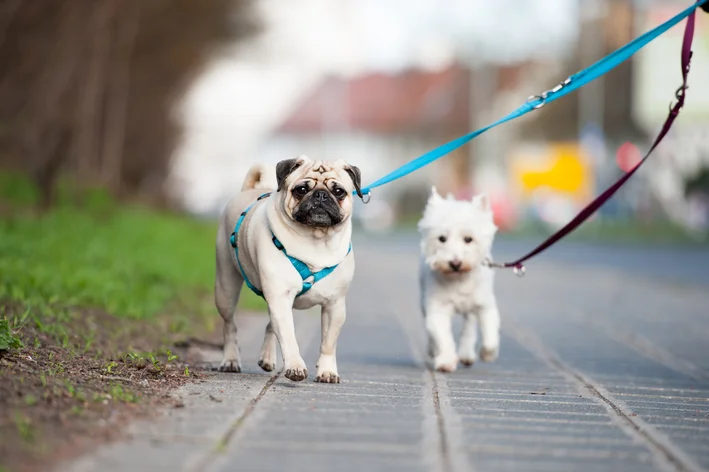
(227, 289)
(267, 358)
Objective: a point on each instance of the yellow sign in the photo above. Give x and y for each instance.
(558, 167)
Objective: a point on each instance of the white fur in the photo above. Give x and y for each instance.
(467, 291)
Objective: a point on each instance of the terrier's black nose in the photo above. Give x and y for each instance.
(455, 265)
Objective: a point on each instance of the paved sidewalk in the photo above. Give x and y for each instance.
(600, 369)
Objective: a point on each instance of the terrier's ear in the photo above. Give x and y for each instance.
(435, 196)
(482, 202)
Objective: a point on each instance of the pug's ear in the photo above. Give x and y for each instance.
(284, 169)
(356, 177)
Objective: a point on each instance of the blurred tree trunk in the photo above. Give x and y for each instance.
(47, 130)
(7, 14)
(93, 91)
(119, 94)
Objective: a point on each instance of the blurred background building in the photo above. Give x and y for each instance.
(173, 101)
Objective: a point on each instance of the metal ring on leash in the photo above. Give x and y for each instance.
(519, 270)
(366, 197)
(679, 95)
(541, 98)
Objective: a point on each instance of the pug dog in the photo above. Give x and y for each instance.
(307, 218)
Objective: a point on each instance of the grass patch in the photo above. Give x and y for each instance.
(128, 261)
(8, 339)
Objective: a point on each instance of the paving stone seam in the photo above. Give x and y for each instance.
(450, 457)
(213, 458)
(223, 442)
(666, 454)
(443, 449)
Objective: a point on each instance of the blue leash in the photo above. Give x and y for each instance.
(300, 266)
(534, 102)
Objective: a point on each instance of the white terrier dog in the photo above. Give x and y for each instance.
(456, 239)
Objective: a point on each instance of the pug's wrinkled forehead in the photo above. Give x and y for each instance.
(312, 174)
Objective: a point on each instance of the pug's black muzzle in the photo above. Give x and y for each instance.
(318, 209)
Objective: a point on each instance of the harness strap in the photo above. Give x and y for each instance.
(304, 270)
(300, 266)
(235, 244)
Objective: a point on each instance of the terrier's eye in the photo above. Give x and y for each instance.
(300, 190)
(468, 240)
(339, 193)
(442, 239)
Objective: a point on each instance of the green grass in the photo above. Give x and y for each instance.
(8, 338)
(128, 261)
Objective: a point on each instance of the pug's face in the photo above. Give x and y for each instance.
(317, 193)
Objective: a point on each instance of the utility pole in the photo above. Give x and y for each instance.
(592, 96)
(482, 80)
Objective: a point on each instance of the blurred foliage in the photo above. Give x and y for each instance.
(91, 86)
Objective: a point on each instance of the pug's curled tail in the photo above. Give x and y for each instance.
(259, 176)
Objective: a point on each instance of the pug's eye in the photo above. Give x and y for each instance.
(339, 193)
(468, 240)
(442, 239)
(300, 190)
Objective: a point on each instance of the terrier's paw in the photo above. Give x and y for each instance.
(266, 365)
(230, 365)
(445, 363)
(467, 361)
(328, 377)
(489, 354)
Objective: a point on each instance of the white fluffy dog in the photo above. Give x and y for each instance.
(456, 239)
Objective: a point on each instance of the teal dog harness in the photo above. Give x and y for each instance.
(309, 277)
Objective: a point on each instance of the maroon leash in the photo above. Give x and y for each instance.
(518, 265)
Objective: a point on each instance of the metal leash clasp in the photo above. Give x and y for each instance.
(519, 270)
(366, 197)
(542, 99)
(679, 95)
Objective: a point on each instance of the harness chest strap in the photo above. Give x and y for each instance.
(309, 277)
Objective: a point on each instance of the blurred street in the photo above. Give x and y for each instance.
(604, 366)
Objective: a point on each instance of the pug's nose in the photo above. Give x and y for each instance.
(455, 265)
(320, 195)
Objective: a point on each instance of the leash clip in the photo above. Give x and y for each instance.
(679, 95)
(366, 197)
(519, 269)
(488, 262)
(542, 99)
